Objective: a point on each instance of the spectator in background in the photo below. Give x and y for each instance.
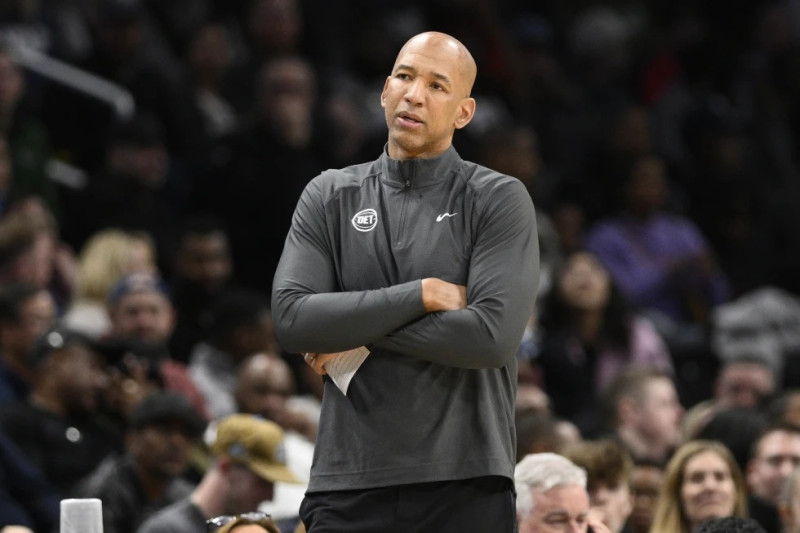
(25, 146)
(240, 325)
(107, 256)
(264, 167)
(646, 480)
(608, 474)
(26, 312)
(539, 432)
(660, 261)
(775, 454)
(590, 335)
(58, 426)
(551, 494)
(701, 481)
(134, 485)
(644, 413)
(265, 387)
(248, 461)
(141, 312)
(202, 267)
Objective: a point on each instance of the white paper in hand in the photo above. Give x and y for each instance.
(342, 368)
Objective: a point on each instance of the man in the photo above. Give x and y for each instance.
(645, 413)
(161, 431)
(608, 471)
(430, 263)
(776, 453)
(140, 310)
(646, 480)
(26, 311)
(58, 426)
(552, 497)
(248, 460)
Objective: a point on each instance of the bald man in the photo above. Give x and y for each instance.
(427, 265)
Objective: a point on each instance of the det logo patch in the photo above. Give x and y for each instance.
(365, 220)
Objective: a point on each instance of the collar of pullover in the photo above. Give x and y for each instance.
(418, 172)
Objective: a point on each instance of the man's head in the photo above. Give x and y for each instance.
(12, 83)
(140, 309)
(161, 431)
(250, 454)
(203, 257)
(26, 312)
(746, 382)
(69, 372)
(241, 324)
(608, 470)
(646, 479)
(427, 96)
(551, 494)
(776, 453)
(265, 383)
(644, 404)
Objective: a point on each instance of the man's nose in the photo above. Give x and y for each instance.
(414, 92)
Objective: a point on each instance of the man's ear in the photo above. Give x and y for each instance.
(465, 113)
(383, 92)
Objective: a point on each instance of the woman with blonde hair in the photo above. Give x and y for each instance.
(701, 481)
(107, 256)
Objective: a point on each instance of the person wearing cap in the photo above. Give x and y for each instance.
(59, 426)
(140, 310)
(248, 459)
(161, 431)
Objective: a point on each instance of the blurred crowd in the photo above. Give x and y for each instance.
(660, 143)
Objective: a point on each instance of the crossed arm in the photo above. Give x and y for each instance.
(472, 326)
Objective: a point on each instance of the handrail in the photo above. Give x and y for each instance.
(117, 97)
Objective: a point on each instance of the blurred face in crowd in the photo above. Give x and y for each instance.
(265, 383)
(584, 284)
(611, 503)
(36, 315)
(246, 490)
(645, 484)
(427, 96)
(145, 165)
(80, 376)
(209, 51)
(205, 260)
(161, 449)
(744, 384)
(145, 316)
(776, 455)
(287, 95)
(561, 509)
(708, 489)
(646, 190)
(658, 412)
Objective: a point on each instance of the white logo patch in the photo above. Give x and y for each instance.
(443, 215)
(365, 220)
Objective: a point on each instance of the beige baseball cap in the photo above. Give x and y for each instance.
(256, 443)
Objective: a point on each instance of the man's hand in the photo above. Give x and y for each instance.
(439, 295)
(317, 361)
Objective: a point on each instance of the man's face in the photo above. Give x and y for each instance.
(744, 385)
(205, 260)
(659, 412)
(247, 490)
(426, 98)
(82, 379)
(645, 484)
(162, 449)
(36, 315)
(611, 504)
(143, 316)
(775, 458)
(11, 84)
(264, 386)
(560, 509)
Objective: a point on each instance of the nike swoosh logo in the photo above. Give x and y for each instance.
(443, 215)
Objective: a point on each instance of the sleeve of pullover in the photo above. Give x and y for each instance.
(502, 283)
(309, 314)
